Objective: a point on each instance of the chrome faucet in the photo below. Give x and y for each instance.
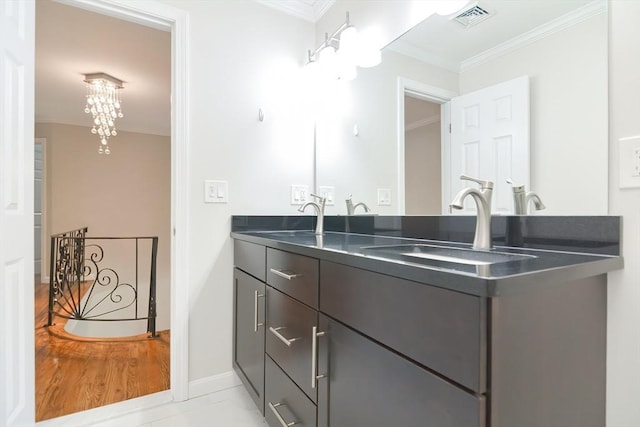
(482, 197)
(319, 207)
(351, 207)
(521, 199)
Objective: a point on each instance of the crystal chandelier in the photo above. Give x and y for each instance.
(103, 103)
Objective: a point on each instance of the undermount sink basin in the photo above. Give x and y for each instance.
(446, 254)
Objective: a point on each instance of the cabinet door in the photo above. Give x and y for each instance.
(367, 385)
(248, 334)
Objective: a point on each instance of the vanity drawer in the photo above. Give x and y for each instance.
(250, 258)
(285, 402)
(295, 275)
(440, 329)
(289, 337)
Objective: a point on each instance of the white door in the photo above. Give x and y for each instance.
(490, 141)
(17, 31)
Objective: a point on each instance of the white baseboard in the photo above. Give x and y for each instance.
(212, 384)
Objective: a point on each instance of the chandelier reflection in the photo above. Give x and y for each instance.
(104, 105)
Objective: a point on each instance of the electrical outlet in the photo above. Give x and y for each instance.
(629, 156)
(328, 193)
(299, 194)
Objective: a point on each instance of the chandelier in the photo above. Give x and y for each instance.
(103, 103)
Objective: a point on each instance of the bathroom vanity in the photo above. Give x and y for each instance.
(390, 321)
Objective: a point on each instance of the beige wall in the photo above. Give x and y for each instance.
(127, 193)
(422, 170)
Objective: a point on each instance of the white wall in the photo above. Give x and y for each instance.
(623, 333)
(243, 56)
(361, 164)
(568, 77)
(127, 193)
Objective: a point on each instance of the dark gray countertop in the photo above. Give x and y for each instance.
(544, 268)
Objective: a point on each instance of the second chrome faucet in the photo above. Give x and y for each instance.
(319, 208)
(482, 197)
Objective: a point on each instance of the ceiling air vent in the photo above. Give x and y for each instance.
(472, 15)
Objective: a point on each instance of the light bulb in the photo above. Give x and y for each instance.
(107, 151)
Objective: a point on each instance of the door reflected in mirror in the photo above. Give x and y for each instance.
(560, 46)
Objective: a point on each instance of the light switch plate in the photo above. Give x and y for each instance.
(299, 194)
(629, 155)
(384, 197)
(216, 191)
(328, 193)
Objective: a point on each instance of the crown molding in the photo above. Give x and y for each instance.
(561, 23)
(309, 10)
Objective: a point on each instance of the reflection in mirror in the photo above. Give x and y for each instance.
(390, 148)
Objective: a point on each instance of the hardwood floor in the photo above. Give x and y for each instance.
(75, 374)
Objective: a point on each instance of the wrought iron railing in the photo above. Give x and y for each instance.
(83, 288)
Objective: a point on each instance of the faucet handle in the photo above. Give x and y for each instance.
(484, 184)
(321, 199)
(516, 188)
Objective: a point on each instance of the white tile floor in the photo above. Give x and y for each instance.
(227, 408)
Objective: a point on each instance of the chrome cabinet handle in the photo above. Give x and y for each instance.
(284, 275)
(314, 356)
(256, 295)
(281, 420)
(275, 332)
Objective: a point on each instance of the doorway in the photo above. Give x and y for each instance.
(124, 193)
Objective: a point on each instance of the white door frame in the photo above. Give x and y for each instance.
(157, 15)
(428, 93)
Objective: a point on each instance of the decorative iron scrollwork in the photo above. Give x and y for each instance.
(82, 289)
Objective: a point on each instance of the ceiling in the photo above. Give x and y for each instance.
(71, 42)
(442, 41)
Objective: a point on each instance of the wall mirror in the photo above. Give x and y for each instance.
(382, 141)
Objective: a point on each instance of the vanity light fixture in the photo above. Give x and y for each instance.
(104, 105)
(343, 51)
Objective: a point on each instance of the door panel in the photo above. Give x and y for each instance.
(490, 140)
(367, 385)
(248, 351)
(17, 32)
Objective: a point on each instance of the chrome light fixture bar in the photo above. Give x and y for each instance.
(343, 51)
(104, 105)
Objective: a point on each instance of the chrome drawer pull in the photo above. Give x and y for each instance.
(314, 356)
(284, 275)
(256, 295)
(275, 332)
(283, 423)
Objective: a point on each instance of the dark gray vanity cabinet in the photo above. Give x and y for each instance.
(344, 346)
(249, 319)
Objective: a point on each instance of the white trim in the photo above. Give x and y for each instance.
(309, 11)
(104, 413)
(422, 91)
(162, 16)
(213, 384)
(561, 23)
